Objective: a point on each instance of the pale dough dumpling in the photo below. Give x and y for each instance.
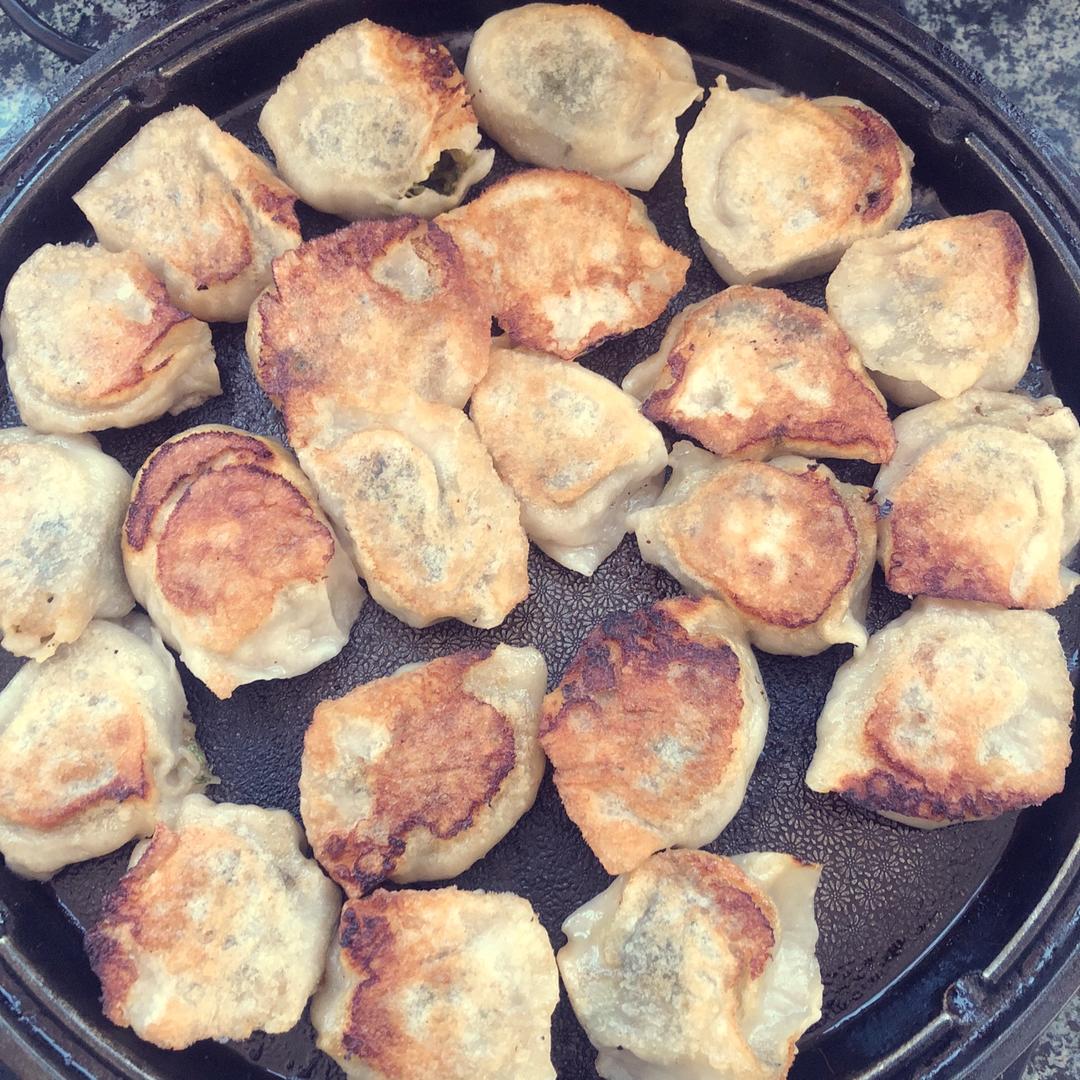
(786, 545)
(954, 712)
(655, 729)
(982, 500)
(779, 187)
(940, 308)
(374, 122)
(218, 929)
(95, 748)
(442, 983)
(63, 505)
(750, 373)
(565, 260)
(573, 87)
(574, 450)
(416, 776)
(227, 549)
(206, 214)
(697, 966)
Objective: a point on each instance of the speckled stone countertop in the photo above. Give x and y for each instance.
(1029, 48)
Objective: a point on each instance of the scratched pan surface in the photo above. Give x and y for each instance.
(908, 918)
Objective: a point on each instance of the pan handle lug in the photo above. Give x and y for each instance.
(41, 32)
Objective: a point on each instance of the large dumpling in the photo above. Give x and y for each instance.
(786, 545)
(574, 450)
(206, 214)
(573, 87)
(374, 122)
(751, 373)
(779, 187)
(982, 500)
(954, 712)
(416, 776)
(940, 308)
(655, 729)
(63, 504)
(92, 341)
(227, 549)
(698, 967)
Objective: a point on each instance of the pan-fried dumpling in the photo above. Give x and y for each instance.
(206, 214)
(750, 373)
(954, 712)
(376, 309)
(779, 187)
(218, 929)
(416, 776)
(442, 983)
(433, 530)
(566, 259)
(655, 729)
(63, 504)
(940, 308)
(697, 966)
(786, 545)
(95, 748)
(92, 341)
(574, 450)
(374, 122)
(573, 87)
(227, 549)
(982, 500)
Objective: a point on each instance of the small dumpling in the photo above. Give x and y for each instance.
(227, 549)
(392, 1006)
(566, 260)
(750, 373)
(574, 450)
(954, 712)
(218, 929)
(378, 309)
(95, 748)
(779, 187)
(573, 87)
(206, 214)
(982, 500)
(374, 122)
(92, 341)
(433, 530)
(655, 729)
(63, 505)
(940, 308)
(416, 776)
(787, 546)
(697, 966)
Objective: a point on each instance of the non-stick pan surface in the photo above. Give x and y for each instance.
(940, 951)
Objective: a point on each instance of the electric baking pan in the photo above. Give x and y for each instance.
(943, 953)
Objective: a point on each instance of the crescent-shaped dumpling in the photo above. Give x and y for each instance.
(655, 729)
(751, 373)
(982, 500)
(573, 87)
(374, 122)
(954, 712)
(574, 450)
(205, 214)
(779, 187)
(227, 549)
(697, 966)
(940, 308)
(787, 546)
(63, 504)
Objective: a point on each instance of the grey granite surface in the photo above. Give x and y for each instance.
(1030, 49)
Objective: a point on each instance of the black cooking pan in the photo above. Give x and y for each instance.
(943, 953)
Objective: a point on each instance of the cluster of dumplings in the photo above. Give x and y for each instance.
(371, 341)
